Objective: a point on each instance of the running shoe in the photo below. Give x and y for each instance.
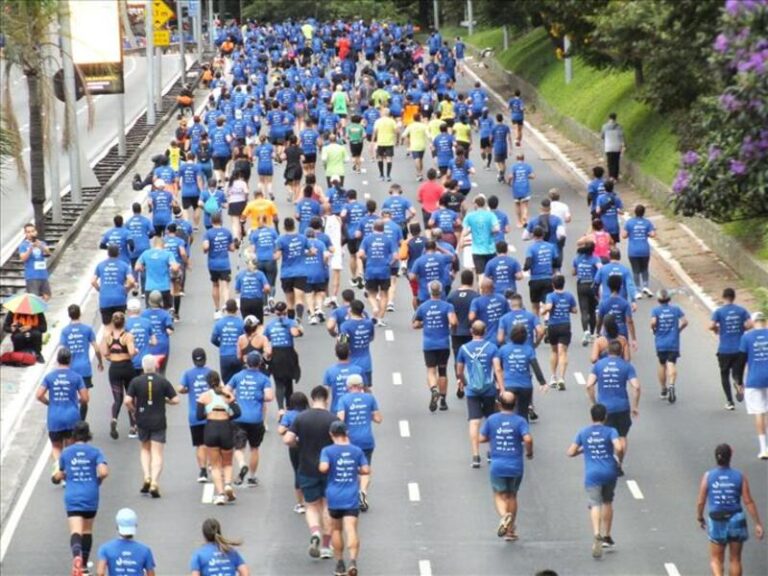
(648, 292)
(763, 455)
(341, 569)
(532, 416)
(639, 296)
(553, 382)
(511, 535)
(739, 394)
(672, 395)
(133, 432)
(619, 469)
(241, 475)
(729, 406)
(504, 524)
(313, 320)
(363, 501)
(380, 323)
(314, 545)
(443, 404)
(352, 568)
(476, 461)
(390, 307)
(113, 433)
(585, 339)
(326, 553)
(77, 566)
(217, 315)
(229, 492)
(154, 491)
(608, 543)
(433, 400)
(561, 385)
(389, 178)
(664, 393)
(220, 500)
(54, 471)
(145, 486)
(299, 509)
(202, 477)
(459, 393)
(253, 482)
(320, 315)
(597, 547)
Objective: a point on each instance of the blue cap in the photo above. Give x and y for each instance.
(126, 522)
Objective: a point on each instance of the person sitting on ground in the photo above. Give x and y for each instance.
(27, 333)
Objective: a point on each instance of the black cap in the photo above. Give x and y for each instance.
(338, 428)
(198, 355)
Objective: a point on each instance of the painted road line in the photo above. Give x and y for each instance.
(580, 378)
(511, 248)
(208, 491)
(413, 492)
(635, 490)
(397, 379)
(389, 335)
(405, 429)
(367, 196)
(671, 569)
(425, 568)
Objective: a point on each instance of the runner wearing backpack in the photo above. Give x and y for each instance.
(474, 374)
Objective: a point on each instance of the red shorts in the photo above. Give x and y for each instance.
(414, 287)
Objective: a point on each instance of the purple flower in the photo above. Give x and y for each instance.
(738, 168)
(681, 181)
(714, 153)
(729, 102)
(721, 43)
(748, 148)
(733, 7)
(690, 158)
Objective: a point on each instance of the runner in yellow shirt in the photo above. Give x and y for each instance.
(260, 210)
(447, 113)
(463, 132)
(416, 137)
(380, 96)
(385, 137)
(433, 128)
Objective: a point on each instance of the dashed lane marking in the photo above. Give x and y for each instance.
(425, 568)
(635, 490)
(413, 492)
(580, 378)
(389, 335)
(208, 490)
(405, 429)
(397, 379)
(671, 569)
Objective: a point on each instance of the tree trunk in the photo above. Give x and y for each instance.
(36, 156)
(639, 75)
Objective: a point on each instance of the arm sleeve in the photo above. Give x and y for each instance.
(537, 371)
(200, 411)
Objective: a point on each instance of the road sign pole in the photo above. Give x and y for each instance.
(149, 30)
(53, 148)
(121, 143)
(568, 59)
(199, 35)
(470, 18)
(505, 28)
(158, 78)
(75, 176)
(182, 50)
(211, 39)
(436, 8)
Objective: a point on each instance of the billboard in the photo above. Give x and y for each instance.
(97, 48)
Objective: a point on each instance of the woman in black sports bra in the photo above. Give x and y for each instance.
(253, 341)
(118, 347)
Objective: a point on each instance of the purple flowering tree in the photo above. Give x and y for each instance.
(725, 177)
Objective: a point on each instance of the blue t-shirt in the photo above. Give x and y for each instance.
(141, 230)
(126, 557)
(250, 284)
(500, 137)
(613, 374)
(379, 254)
(118, 237)
(194, 380)
(609, 205)
(445, 219)
(162, 201)
(309, 138)
(398, 207)
(502, 270)
(431, 266)
(112, 274)
(461, 173)
(343, 488)
(189, 172)
(354, 212)
(490, 308)
(161, 322)
(278, 332)
(141, 329)
(443, 144)
(437, 330)
(359, 333)
(600, 467)
(78, 338)
(515, 317)
(249, 386)
(219, 240)
(730, 320)
(521, 184)
(516, 364)
(210, 561)
(358, 410)
(724, 488)
(264, 239)
(335, 378)
(225, 333)
(667, 333)
(306, 209)
(63, 386)
(35, 268)
(638, 231)
(562, 304)
(628, 289)
(586, 268)
(516, 108)
(79, 462)
(221, 200)
(483, 353)
(481, 224)
(621, 311)
(542, 255)
(505, 434)
(157, 262)
(292, 247)
(503, 219)
(755, 345)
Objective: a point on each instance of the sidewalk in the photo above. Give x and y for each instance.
(689, 265)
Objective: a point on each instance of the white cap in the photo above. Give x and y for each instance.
(159, 183)
(133, 305)
(126, 522)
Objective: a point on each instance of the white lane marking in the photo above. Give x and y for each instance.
(413, 492)
(208, 490)
(397, 379)
(635, 490)
(475, 184)
(671, 569)
(21, 504)
(580, 378)
(425, 568)
(389, 335)
(405, 429)
(363, 170)
(511, 248)
(367, 196)
(365, 182)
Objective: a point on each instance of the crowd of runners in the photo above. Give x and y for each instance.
(309, 103)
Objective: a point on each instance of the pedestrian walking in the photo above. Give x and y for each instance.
(612, 135)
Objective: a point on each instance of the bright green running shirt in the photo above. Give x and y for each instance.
(355, 133)
(339, 102)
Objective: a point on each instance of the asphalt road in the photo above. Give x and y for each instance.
(450, 528)
(15, 206)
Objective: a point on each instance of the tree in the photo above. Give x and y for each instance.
(725, 177)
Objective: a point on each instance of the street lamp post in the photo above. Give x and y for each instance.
(75, 176)
(150, 77)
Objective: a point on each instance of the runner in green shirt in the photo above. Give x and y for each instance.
(380, 96)
(334, 156)
(416, 136)
(340, 100)
(356, 135)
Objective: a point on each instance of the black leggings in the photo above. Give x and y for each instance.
(120, 375)
(640, 270)
(587, 306)
(730, 364)
(283, 389)
(523, 401)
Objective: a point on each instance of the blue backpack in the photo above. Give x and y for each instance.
(478, 378)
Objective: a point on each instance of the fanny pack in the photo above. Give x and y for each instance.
(721, 515)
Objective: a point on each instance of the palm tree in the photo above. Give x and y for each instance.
(27, 27)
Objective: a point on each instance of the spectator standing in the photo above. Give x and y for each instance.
(613, 143)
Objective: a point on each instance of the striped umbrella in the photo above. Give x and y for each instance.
(25, 304)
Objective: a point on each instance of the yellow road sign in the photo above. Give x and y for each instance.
(162, 37)
(161, 13)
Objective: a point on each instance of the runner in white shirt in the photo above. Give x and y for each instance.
(562, 211)
(333, 229)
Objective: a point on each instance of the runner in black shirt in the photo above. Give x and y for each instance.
(461, 298)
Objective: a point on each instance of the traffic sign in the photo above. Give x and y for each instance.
(161, 13)
(162, 37)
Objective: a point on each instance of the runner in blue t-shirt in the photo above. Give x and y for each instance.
(488, 307)
(513, 364)
(218, 242)
(217, 557)
(194, 382)
(558, 307)
(112, 278)
(638, 230)
(80, 338)
(358, 332)
(501, 140)
(378, 254)
(754, 346)
(291, 248)
(517, 114)
(503, 269)
(519, 179)
(124, 555)
(730, 321)
(667, 321)
(336, 376)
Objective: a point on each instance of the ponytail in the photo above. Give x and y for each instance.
(212, 534)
